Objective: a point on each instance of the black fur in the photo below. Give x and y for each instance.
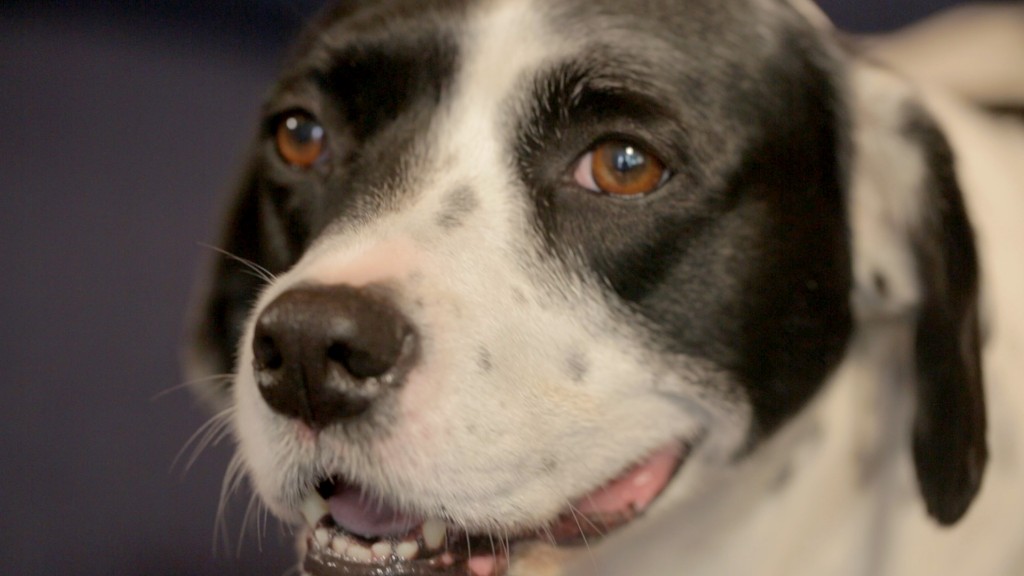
(742, 258)
(950, 451)
(371, 79)
(743, 263)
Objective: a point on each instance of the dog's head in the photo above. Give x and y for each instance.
(517, 271)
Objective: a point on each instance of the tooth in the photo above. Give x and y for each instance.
(359, 553)
(434, 533)
(322, 537)
(382, 550)
(340, 545)
(407, 550)
(314, 508)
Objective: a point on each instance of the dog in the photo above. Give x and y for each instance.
(664, 287)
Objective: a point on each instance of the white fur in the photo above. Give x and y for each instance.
(486, 285)
(852, 507)
(832, 493)
(886, 200)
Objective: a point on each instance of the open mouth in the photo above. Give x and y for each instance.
(354, 535)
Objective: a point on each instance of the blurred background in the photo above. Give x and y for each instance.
(121, 126)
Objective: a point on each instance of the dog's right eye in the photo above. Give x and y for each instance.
(620, 168)
(300, 140)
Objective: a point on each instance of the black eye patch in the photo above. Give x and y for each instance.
(374, 84)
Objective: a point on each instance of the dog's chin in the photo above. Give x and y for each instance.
(352, 535)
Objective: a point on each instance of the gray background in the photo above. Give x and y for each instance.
(121, 124)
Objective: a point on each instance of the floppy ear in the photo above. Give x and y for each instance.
(251, 249)
(914, 258)
(949, 425)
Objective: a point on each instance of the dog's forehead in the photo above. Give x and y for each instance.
(696, 57)
(742, 29)
(678, 15)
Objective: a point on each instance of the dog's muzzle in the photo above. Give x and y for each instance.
(325, 356)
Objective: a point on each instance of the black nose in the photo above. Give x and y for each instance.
(325, 354)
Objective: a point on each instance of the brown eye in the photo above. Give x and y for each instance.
(300, 140)
(621, 169)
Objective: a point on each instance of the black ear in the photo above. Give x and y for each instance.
(252, 247)
(915, 261)
(949, 424)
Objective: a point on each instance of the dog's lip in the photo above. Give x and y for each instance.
(590, 517)
(620, 500)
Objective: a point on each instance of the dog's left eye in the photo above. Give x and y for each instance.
(620, 168)
(300, 140)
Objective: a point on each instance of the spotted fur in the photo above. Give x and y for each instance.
(801, 303)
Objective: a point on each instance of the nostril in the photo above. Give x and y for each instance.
(359, 364)
(267, 354)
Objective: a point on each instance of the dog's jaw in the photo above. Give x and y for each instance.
(389, 540)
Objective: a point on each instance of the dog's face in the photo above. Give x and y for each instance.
(538, 268)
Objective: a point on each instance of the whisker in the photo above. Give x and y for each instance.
(590, 553)
(246, 518)
(260, 272)
(265, 517)
(233, 477)
(550, 535)
(260, 519)
(214, 379)
(210, 433)
(256, 275)
(602, 531)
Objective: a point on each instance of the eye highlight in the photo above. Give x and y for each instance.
(620, 168)
(300, 140)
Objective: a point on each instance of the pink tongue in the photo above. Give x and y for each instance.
(363, 516)
(635, 489)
